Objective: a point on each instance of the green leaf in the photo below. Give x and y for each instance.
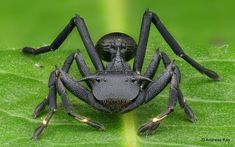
(204, 29)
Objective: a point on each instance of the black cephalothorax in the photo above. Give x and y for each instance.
(116, 87)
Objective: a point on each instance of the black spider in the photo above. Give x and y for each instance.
(116, 87)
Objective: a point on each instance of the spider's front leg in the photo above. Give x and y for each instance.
(154, 89)
(50, 99)
(80, 92)
(176, 89)
(175, 94)
(55, 85)
(69, 110)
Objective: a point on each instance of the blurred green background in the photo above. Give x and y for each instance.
(205, 29)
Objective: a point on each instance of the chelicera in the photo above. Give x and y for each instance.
(116, 87)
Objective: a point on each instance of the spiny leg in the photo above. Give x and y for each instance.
(68, 107)
(79, 23)
(188, 111)
(149, 17)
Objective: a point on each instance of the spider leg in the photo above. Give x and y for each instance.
(82, 66)
(155, 87)
(68, 107)
(152, 68)
(52, 89)
(182, 102)
(152, 89)
(174, 95)
(142, 44)
(137, 102)
(43, 125)
(81, 92)
(79, 23)
(151, 126)
(84, 70)
(51, 99)
(144, 34)
(41, 106)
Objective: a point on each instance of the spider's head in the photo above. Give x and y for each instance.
(116, 44)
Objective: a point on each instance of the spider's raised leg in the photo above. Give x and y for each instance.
(144, 34)
(79, 23)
